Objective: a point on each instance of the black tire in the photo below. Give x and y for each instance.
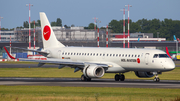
(116, 77)
(83, 78)
(122, 77)
(156, 79)
(88, 79)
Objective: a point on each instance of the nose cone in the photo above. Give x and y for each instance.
(171, 65)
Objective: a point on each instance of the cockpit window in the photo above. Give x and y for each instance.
(155, 56)
(160, 56)
(163, 56)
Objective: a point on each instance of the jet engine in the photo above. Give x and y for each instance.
(144, 74)
(93, 71)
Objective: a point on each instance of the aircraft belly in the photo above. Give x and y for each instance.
(115, 70)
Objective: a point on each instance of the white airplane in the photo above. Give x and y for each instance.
(95, 61)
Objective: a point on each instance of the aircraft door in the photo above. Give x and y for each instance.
(59, 54)
(146, 58)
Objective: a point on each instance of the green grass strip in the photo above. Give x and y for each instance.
(69, 72)
(54, 93)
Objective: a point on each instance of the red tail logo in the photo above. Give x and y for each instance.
(46, 32)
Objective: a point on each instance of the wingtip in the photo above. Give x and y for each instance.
(8, 53)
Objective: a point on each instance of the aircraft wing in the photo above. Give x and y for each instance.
(63, 62)
(40, 52)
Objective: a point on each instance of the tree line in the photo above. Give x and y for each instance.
(166, 28)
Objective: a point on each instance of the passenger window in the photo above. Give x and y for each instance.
(94, 54)
(100, 54)
(132, 55)
(126, 55)
(97, 54)
(65, 53)
(77, 53)
(103, 54)
(68, 53)
(113, 54)
(82, 53)
(123, 55)
(116, 55)
(138, 55)
(135, 56)
(88, 54)
(74, 53)
(91, 53)
(107, 54)
(119, 55)
(71, 53)
(129, 55)
(110, 54)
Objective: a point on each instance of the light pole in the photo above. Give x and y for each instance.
(95, 30)
(107, 36)
(123, 27)
(98, 32)
(29, 24)
(95, 22)
(128, 21)
(34, 35)
(0, 27)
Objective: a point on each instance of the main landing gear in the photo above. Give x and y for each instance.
(156, 79)
(83, 78)
(119, 77)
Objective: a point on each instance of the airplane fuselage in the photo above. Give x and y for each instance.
(119, 59)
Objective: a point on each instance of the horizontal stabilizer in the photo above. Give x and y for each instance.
(40, 52)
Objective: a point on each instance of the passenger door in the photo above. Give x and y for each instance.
(146, 58)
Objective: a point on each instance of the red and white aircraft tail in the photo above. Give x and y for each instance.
(48, 37)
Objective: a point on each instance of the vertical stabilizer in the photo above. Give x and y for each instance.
(48, 37)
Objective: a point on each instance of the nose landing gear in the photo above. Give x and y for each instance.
(156, 79)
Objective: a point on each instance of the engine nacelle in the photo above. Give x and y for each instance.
(144, 74)
(93, 71)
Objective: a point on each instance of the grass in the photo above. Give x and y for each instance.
(56, 93)
(69, 72)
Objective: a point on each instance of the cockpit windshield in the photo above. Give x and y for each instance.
(160, 56)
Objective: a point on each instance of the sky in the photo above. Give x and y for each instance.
(81, 12)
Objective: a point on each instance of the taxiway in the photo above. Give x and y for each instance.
(76, 82)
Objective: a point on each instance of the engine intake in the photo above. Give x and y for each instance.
(93, 71)
(144, 74)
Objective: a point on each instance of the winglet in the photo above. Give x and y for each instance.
(9, 54)
(168, 52)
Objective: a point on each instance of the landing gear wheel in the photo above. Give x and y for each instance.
(122, 77)
(88, 79)
(156, 79)
(116, 77)
(83, 78)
